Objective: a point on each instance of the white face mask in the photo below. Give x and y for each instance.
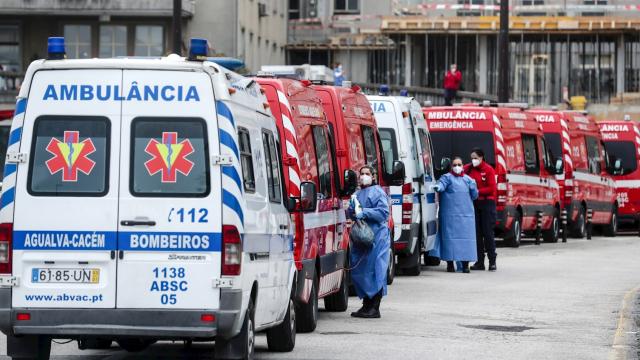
(457, 169)
(366, 180)
(475, 162)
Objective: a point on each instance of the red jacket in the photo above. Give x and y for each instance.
(451, 81)
(485, 178)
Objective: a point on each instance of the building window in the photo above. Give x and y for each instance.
(78, 41)
(149, 40)
(532, 2)
(294, 9)
(346, 6)
(113, 41)
(9, 56)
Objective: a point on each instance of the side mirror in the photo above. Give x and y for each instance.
(308, 196)
(559, 169)
(397, 175)
(350, 182)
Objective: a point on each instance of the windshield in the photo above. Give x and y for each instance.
(625, 151)
(460, 143)
(554, 144)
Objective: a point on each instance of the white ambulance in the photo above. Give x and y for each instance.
(405, 137)
(133, 211)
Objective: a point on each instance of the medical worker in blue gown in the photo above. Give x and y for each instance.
(456, 239)
(369, 273)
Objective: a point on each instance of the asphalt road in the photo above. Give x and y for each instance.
(554, 301)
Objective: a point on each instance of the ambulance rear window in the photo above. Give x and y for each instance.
(69, 156)
(460, 143)
(625, 151)
(169, 157)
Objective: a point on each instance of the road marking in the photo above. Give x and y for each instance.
(621, 347)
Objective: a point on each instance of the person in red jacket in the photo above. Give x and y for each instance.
(452, 80)
(485, 207)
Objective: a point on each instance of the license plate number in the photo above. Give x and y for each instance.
(56, 275)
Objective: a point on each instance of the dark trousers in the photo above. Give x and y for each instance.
(449, 96)
(485, 222)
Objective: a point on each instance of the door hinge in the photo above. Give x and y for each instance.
(222, 283)
(8, 280)
(222, 160)
(16, 158)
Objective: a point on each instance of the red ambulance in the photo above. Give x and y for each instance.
(320, 247)
(354, 134)
(622, 142)
(585, 185)
(514, 145)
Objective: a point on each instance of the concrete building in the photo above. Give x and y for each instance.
(558, 48)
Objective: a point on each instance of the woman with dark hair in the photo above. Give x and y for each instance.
(456, 238)
(369, 272)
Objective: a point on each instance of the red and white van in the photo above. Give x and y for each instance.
(354, 134)
(622, 142)
(320, 249)
(574, 138)
(514, 145)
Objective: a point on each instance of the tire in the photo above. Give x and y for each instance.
(391, 269)
(134, 344)
(241, 346)
(553, 233)
(579, 229)
(339, 301)
(611, 229)
(282, 338)
(93, 343)
(32, 347)
(307, 314)
(430, 260)
(416, 265)
(515, 235)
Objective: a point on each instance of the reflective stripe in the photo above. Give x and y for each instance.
(631, 184)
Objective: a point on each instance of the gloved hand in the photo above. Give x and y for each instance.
(435, 187)
(360, 216)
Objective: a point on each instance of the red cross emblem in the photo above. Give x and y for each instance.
(169, 157)
(70, 156)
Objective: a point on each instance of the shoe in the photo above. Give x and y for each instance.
(450, 267)
(466, 270)
(371, 313)
(366, 305)
(465, 267)
(493, 267)
(478, 266)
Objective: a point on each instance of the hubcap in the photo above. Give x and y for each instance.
(292, 317)
(556, 228)
(251, 337)
(516, 229)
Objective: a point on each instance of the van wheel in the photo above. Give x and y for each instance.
(93, 343)
(391, 269)
(31, 347)
(579, 230)
(515, 235)
(338, 301)
(134, 345)
(282, 338)
(241, 346)
(611, 229)
(307, 314)
(551, 235)
(416, 267)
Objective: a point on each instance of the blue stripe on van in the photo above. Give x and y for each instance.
(227, 140)
(10, 169)
(233, 174)
(21, 106)
(169, 241)
(7, 197)
(14, 136)
(64, 240)
(396, 199)
(223, 110)
(431, 198)
(229, 200)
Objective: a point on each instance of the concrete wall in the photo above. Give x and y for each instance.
(354, 64)
(215, 21)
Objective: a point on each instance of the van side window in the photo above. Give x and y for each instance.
(70, 156)
(273, 172)
(389, 148)
(246, 160)
(334, 161)
(425, 144)
(593, 155)
(322, 157)
(370, 154)
(531, 161)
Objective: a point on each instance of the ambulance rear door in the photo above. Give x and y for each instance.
(170, 192)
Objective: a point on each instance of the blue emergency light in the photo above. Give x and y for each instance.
(232, 64)
(384, 89)
(55, 48)
(198, 49)
(404, 92)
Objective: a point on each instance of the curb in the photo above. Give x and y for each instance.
(625, 342)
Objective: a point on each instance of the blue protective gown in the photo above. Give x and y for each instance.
(456, 238)
(370, 273)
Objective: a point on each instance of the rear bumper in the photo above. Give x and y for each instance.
(149, 323)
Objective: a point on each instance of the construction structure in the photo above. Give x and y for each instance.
(558, 48)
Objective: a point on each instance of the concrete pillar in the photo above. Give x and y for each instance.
(620, 65)
(483, 64)
(407, 60)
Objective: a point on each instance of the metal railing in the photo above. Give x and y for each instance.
(422, 94)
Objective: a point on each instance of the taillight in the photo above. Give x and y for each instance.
(568, 191)
(407, 203)
(6, 236)
(501, 187)
(231, 250)
(297, 241)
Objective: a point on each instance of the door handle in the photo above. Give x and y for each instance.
(284, 227)
(138, 223)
